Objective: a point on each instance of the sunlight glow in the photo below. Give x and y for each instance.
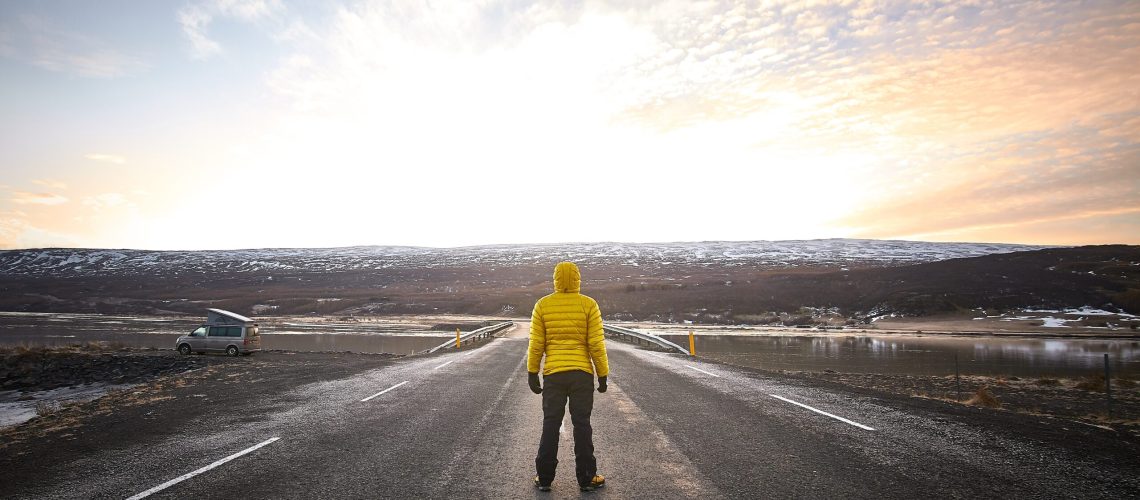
(475, 123)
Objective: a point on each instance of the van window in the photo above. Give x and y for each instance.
(225, 331)
(252, 331)
(199, 332)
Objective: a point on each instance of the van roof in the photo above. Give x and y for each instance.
(225, 317)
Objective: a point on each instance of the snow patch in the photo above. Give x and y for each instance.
(17, 407)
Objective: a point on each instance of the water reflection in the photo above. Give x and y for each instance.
(922, 355)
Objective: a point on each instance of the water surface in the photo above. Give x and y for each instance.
(921, 355)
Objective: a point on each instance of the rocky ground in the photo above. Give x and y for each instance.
(39, 368)
(146, 379)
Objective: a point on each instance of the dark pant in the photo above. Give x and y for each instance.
(578, 387)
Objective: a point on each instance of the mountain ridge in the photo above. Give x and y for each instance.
(703, 282)
(770, 254)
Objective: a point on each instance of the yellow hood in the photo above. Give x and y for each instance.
(567, 278)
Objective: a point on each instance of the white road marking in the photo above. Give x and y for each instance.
(702, 371)
(821, 412)
(383, 391)
(443, 365)
(184, 477)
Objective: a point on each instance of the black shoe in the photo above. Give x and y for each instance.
(598, 481)
(541, 487)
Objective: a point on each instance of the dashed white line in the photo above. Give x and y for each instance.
(702, 371)
(443, 365)
(383, 391)
(184, 477)
(821, 412)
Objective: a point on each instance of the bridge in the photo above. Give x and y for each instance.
(462, 424)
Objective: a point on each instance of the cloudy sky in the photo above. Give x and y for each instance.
(238, 124)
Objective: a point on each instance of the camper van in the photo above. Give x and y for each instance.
(224, 331)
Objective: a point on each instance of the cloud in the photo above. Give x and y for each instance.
(970, 117)
(909, 119)
(195, 20)
(106, 158)
(107, 200)
(10, 230)
(49, 183)
(38, 42)
(26, 198)
(17, 232)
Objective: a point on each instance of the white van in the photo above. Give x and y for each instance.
(224, 331)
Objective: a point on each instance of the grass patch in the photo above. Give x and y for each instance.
(29, 350)
(1048, 382)
(984, 398)
(1091, 383)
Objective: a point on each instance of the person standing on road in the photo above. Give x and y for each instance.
(566, 328)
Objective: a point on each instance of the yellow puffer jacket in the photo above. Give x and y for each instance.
(566, 326)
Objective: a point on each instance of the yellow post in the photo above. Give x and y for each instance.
(692, 345)
(457, 338)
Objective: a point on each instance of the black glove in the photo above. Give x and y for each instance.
(602, 384)
(535, 385)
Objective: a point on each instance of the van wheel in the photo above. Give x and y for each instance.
(184, 349)
(232, 350)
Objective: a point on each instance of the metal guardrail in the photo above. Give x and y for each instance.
(479, 333)
(639, 337)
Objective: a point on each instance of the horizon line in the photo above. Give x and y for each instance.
(551, 244)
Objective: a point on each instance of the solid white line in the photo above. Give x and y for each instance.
(184, 477)
(443, 365)
(702, 371)
(821, 412)
(383, 391)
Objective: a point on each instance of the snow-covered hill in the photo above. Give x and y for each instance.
(756, 254)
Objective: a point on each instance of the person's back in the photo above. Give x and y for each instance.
(566, 328)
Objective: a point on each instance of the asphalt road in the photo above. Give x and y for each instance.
(464, 425)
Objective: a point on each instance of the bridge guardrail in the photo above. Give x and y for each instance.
(478, 333)
(648, 338)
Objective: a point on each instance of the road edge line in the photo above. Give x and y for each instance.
(821, 412)
(702, 371)
(207, 468)
(383, 391)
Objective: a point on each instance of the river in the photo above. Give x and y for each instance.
(921, 354)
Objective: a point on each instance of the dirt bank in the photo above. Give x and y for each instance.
(1081, 400)
(152, 383)
(39, 369)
